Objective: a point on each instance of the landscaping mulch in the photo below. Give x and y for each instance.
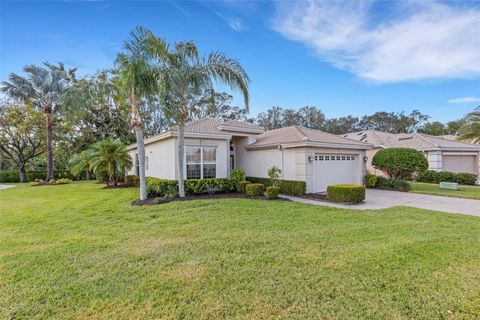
(315, 196)
(206, 196)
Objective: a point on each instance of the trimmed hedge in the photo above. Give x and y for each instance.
(400, 163)
(402, 185)
(241, 186)
(132, 180)
(291, 187)
(349, 193)
(14, 175)
(254, 189)
(431, 176)
(272, 192)
(157, 187)
(370, 180)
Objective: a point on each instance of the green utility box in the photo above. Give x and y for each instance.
(449, 185)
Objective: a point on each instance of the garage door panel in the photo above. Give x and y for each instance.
(459, 163)
(333, 169)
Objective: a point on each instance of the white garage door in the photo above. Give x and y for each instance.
(331, 169)
(459, 163)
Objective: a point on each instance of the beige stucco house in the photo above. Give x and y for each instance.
(213, 148)
(442, 154)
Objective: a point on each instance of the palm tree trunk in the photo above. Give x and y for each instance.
(48, 119)
(87, 174)
(137, 127)
(181, 157)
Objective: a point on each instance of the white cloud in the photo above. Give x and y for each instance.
(234, 23)
(420, 40)
(464, 100)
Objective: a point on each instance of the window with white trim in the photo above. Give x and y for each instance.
(201, 162)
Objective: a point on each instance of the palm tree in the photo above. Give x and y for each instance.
(81, 163)
(181, 74)
(135, 78)
(43, 87)
(471, 130)
(110, 158)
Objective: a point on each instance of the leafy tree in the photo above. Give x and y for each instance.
(393, 122)
(312, 117)
(44, 88)
(110, 158)
(453, 127)
(21, 134)
(135, 78)
(400, 163)
(183, 73)
(216, 105)
(271, 119)
(81, 163)
(433, 128)
(342, 125)
(471, 129)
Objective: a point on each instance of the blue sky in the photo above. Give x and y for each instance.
(344, 57)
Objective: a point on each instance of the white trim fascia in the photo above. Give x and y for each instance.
(174, 134)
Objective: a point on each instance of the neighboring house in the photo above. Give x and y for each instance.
(213, 148)
(442, 154)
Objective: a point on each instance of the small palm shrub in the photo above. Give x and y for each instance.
(110, 158)
(80, 163)
(242, 185)
(274, 175)
(254, 189)
(348, 193)
(272, 192)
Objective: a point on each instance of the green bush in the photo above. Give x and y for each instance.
(272, 192)
(236, 176)
(431, 176)
(63, 181)
(241, 186)
(383, 182)
(132, 180)
(160, 187)
(291, 187)
(349, 193)
(254, 189)
(32, 175)
(400, 163)
(370, 180)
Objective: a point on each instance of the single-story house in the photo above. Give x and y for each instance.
(442, 154)
(213, 148)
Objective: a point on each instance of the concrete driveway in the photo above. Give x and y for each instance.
(380, 199)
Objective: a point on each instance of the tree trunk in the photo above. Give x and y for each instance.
(87, 174)
(23, 173)
(137, 127)
(181, 157)
(50, 169)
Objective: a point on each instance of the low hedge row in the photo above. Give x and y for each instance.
(14, 176)
(254, 189)
(157, 187)
(291, 187)
(347, 193)
(402, 185)
(431, 176)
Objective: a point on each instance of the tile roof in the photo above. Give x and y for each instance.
(413, 140)
(297, 134)
(241, 124)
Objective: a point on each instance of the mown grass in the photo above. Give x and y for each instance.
(468, 192)
(81, 252)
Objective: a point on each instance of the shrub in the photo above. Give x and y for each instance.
(291, 187)
(272, 192)
(159, 187)
(400, 163)
(274, 175)
(241, 186)
(254, 189)
(132, 180)
(63, 181)
(370, 180)
(383, 182)
(236, 176)
(14, 176)
(351, 193)
(431, 176)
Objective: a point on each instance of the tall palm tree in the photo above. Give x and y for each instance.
(43, 87)
(181, 74)
(471, 130)
(81, 163)
(110, 158)
(136, 79)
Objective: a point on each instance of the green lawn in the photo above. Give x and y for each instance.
(81, 252)
(468, 192)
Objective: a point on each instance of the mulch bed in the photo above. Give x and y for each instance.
(315, 196)
(206, 196)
